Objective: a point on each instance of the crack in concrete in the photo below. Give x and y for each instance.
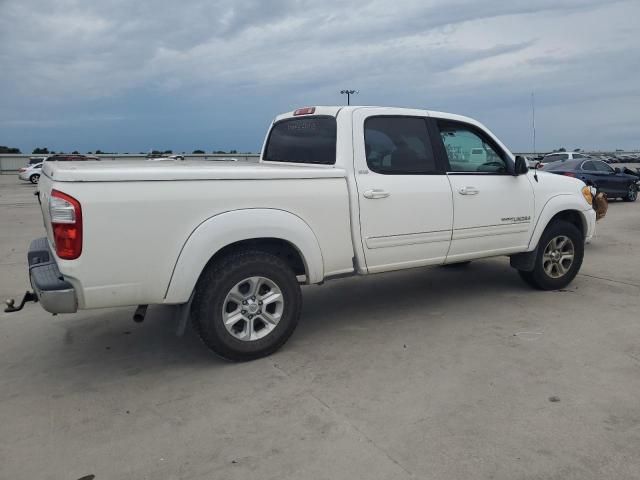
(633, 357)
(609, 280)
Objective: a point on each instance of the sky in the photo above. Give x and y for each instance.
(131, 76)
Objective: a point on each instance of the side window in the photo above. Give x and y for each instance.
(398, 145)
(469, 150)
(603, 167)
(588, 166)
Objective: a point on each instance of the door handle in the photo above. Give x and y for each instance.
(468, 191)
(376, 193)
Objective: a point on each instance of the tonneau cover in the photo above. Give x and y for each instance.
(146, 170)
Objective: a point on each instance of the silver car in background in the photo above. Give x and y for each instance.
(30, 173)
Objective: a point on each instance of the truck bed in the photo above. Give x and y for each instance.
(139, 215)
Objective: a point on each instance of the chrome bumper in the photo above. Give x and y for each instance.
(55, 294)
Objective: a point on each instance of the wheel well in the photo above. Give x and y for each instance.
(275, 246)
(573, 217)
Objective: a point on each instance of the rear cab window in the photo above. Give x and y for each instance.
(308, 139)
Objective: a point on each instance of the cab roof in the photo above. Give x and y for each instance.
(335, 109)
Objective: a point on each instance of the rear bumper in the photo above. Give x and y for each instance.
(55, 294)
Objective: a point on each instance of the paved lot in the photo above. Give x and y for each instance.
(424, 374)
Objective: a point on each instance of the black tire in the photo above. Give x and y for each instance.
(35, 178)
(632, 193)
(539, 277)
(219, 279)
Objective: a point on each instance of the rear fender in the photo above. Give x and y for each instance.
(227, 228)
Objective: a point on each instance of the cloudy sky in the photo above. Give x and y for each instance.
(129, 76)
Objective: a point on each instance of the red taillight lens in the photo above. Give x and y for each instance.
(20, 170)
(569, 174)
(540, 165)
(66, 222)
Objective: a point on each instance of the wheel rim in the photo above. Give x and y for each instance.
(252, 308)
(35, 179)
(632, 192)
(558, 256)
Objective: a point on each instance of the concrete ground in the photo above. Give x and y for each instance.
(425, 374)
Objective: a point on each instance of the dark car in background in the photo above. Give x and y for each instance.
(600, 175)
(559, 157)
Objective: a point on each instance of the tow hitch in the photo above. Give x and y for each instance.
(10, 303)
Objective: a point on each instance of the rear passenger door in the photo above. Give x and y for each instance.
(406, 210)
(493, 209)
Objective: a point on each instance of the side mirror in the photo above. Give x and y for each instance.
(521, 166)
(617, 170)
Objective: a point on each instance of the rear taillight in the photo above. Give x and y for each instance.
(540, 165)
(66, 222)
(20, 170)
(569, 174)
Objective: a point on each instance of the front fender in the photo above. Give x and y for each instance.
(561, 203)
(226, 228)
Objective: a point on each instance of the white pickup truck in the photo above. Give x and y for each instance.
(338, 191)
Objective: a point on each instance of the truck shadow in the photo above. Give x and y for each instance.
(103, 345)
(416, 292)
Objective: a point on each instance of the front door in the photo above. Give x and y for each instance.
(406, 210)
(608, 179)
(493, 209)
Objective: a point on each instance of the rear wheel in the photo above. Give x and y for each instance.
(632, 193)
(35, 178)
(247, 305)
(559, 257)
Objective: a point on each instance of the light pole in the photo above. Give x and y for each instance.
(533, 120)
(348, 93)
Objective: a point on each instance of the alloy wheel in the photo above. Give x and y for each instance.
(558, 256)
(252, 308)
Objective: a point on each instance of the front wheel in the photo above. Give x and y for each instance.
(247, 305)
(632, 193)
(559, 257)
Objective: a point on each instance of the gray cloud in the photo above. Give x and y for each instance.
(479, 58)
